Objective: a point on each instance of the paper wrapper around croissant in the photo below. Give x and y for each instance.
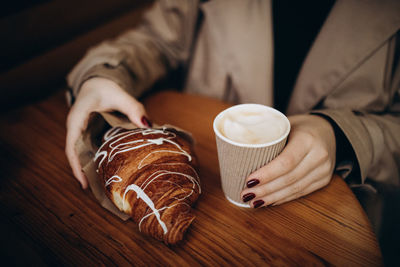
(87, 148)
(236, 163)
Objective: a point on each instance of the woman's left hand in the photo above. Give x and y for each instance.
(305, 165)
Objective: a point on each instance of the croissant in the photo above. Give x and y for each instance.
(150, 175)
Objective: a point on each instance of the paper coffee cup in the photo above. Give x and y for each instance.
(248, 136)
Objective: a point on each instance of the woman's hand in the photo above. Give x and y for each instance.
(98, 95)
(305, 165)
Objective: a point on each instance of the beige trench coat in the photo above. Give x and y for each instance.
(351, 74)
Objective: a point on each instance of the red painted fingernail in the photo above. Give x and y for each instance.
(146, 122)
(252, 182)
(248, 197)
(258, 203)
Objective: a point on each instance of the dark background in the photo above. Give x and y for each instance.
(41, 40)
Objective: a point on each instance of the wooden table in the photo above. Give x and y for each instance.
(47, 219)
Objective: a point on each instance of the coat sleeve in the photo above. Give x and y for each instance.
(373, 136)
(138, 58)
(375, 140)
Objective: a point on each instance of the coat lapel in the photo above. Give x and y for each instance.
(351, 33)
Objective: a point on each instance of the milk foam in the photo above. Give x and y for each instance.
(252, 125)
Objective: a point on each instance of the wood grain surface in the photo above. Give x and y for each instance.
(46, 219)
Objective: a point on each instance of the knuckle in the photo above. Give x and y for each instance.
(70, 117)
(307, 138)
(139, 105)
(324, 155)
(297, 190)
(327, 167)
(271, 188)
(140, 108)
(298, 195)
(68, 153)
(290, 179)
(287, 161)
(326, 182)
(68, 122)
(69, 149)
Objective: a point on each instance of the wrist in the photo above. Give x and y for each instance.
(98, 85)
(346, 161)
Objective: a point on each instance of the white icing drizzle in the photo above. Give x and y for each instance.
(113, 179)
(160, 173)
(114, 136)
(141, 194)
(163, 208)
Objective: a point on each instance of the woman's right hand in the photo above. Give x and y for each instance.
(98, 95)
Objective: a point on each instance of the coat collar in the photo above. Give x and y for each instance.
(353, 30)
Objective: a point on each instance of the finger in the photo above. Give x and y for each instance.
(310, 189)
(297, 189)
(300, 171)
(76, 168)
(135, 111)
(309, 164)
(76, 123)
(285, 162)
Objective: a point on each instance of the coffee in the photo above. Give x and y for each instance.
(252, 124)
(248, 136)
